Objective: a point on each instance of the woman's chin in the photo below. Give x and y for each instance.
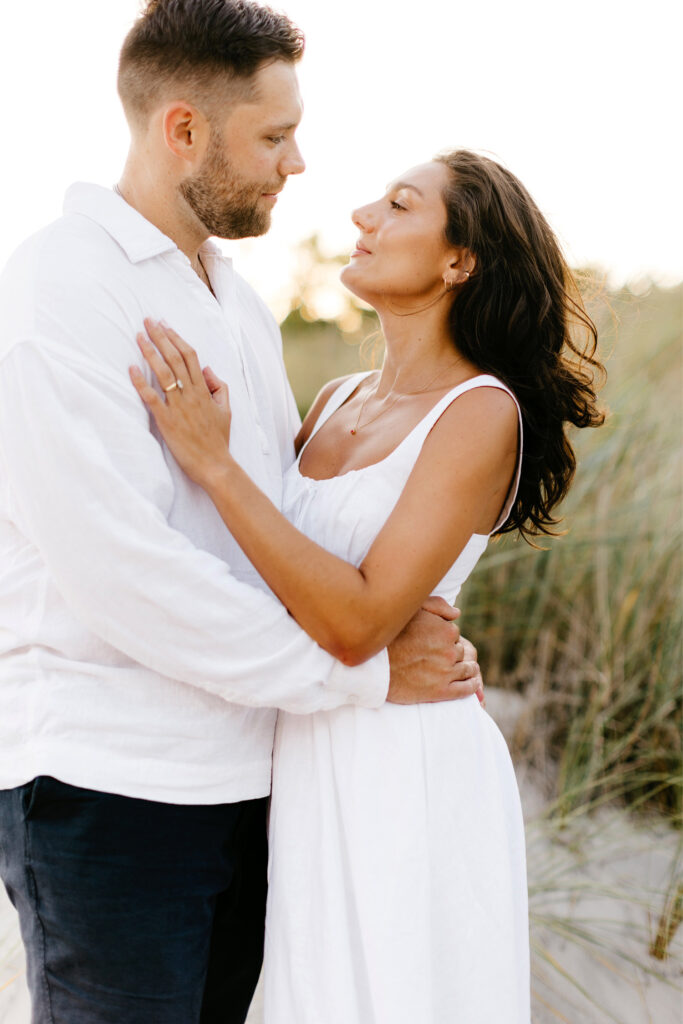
(352, 280)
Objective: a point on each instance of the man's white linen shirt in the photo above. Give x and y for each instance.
(140, 652)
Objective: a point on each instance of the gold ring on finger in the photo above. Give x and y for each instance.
(172, 387)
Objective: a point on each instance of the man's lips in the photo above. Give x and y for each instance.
(272, 194)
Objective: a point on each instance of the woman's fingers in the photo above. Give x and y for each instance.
(157, 364)
(218, 388)
(168, 351)
(213, 382)
(172, 360)
(187, 353)
(146, 392)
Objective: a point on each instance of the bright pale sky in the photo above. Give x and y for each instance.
(582, 101)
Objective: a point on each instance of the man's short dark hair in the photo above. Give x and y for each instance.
(197, 45)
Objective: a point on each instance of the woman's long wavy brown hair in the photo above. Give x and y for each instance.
(521, 317)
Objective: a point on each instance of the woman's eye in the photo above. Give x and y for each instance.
(396, 206)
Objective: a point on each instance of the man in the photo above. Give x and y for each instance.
(142, 656)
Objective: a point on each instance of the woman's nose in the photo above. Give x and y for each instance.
(362, 218)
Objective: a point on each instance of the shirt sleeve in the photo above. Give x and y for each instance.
(87, 484)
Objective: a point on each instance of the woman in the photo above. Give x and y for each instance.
(397, 875)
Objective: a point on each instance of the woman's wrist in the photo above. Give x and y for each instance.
(217, 474)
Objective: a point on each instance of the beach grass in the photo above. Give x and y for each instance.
(590, 629)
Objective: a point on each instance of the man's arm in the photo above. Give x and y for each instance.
(88, 486)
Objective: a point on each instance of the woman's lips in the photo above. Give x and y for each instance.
(360, 251)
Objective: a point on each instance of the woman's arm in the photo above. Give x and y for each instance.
(351, 612)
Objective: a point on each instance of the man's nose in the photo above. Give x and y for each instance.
(293, 162)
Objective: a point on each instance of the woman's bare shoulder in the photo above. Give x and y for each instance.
(482, 422)
(456, 488)
(484, 411)
(472, 449)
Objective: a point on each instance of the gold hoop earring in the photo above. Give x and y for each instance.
(453, 284)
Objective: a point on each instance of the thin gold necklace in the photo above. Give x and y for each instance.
(354, 430)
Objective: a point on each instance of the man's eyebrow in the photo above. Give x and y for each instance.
(404, 184)
(283, 127)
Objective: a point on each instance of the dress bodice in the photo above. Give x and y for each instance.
(344, 514)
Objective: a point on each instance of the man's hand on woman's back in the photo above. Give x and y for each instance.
(430, 661)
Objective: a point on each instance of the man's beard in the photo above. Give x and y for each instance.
(225, 205)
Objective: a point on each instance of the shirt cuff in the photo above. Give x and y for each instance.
(364, 685)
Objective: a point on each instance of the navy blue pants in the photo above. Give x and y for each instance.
(132, 911)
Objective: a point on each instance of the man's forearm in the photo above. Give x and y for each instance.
(78, 464)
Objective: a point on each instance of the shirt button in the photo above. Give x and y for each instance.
(263, 438)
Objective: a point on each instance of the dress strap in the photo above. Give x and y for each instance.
(426, 425)
(336, 400)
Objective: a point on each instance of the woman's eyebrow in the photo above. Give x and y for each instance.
(404, 184)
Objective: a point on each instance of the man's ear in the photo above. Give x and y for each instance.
(185, 130)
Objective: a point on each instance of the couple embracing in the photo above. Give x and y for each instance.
(198, 590)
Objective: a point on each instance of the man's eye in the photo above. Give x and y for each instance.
(276, 138)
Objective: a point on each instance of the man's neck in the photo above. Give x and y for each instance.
(150, 200)
(158, 201)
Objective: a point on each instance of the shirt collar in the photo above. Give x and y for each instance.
(138, 237)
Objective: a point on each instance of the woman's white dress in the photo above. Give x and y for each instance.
(397, 862)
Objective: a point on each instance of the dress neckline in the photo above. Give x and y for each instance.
(347, 388)
(357, 380)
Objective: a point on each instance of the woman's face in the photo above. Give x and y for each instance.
(402, 252)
